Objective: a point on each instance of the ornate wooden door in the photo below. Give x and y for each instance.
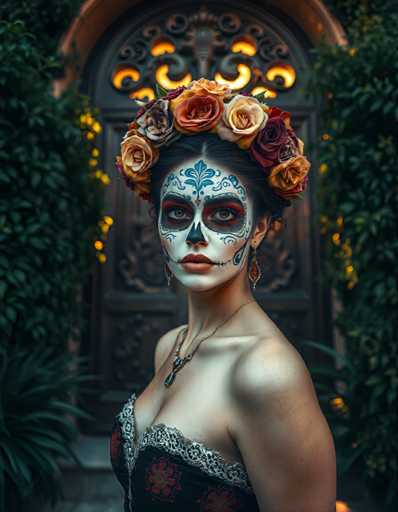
(252, 48)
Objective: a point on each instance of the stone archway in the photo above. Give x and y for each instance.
(95, 16)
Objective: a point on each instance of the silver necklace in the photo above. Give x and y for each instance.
(179, 362)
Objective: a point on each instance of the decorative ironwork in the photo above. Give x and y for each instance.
(227, 47)
(277, 265)
(141, 266)
(132, 351)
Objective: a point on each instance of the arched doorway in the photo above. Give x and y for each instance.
(252, 46)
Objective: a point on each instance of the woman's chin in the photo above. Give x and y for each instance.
(203, 282)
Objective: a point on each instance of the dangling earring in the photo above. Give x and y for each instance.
(254, 269)
(167, 273)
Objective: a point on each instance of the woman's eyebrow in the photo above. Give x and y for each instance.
(224, 198)
(174, 197)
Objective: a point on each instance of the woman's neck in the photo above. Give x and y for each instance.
(208, 309)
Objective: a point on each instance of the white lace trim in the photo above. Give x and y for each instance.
(175, 442)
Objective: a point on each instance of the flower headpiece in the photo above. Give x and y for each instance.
(207, 106)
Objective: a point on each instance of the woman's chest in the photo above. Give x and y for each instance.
(196, 405)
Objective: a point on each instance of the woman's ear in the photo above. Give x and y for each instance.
(261, 230)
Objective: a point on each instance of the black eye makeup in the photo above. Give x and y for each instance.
(176, 213)
(224, 214)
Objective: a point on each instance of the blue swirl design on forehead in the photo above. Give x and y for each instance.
(199, 176)
(231, 180)
(172, 178)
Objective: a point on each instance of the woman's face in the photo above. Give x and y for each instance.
(204, 210)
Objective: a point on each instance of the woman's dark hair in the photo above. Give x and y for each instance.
(222, 152)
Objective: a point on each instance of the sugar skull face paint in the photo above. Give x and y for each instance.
(205, 212)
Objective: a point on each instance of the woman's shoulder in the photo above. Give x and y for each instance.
(269, 365)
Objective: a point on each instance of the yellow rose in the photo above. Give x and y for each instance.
(137, 155)
(201, 87)
(289, 178)
(243, 118)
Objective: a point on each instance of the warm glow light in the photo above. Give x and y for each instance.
(105, 179)
(285, 71)
(98, 245)
(340, 221)
(336, 238)
(108, 220)
(349, 269)
(123, 73)
(95, 152)
(242, 80)
(162, 47)
(141, 94)
(162, 78)
(245, 47)
(269, 93)
(323, 168)
(342, 506)
(101, 257)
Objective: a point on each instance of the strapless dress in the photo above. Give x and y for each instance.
(166, 471)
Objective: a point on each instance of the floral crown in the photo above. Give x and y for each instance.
(207, 106)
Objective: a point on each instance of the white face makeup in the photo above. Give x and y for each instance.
(204, 211)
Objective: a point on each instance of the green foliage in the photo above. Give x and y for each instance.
(358, 87)
(49, 206)
(46, 20)
(36, 394)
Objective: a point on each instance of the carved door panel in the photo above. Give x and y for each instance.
(131, 305)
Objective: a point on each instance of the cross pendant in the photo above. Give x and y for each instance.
(177, 363)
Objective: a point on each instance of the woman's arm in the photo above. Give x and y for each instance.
(281, 432)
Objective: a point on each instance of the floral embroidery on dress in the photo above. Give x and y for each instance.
(219, 499)
(116, 440)
(162, 479)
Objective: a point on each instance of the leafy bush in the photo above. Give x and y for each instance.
(358, 86)
(36, 393)
(50, 203)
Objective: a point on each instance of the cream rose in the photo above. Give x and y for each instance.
(243, 118)
(137, 154)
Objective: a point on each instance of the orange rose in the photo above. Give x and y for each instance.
(204, 86)
(201, 87)
(198, 114)
(288, 178)
(243, 118)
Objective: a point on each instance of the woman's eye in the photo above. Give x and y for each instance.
(224, 214)
(177, 214)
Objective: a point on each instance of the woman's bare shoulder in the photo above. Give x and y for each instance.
(270, 364)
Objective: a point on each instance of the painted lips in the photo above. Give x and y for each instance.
(196, 263)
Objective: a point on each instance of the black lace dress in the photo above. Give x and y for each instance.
(166, 471)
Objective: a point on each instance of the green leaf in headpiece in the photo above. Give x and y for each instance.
(260, 96)
(160, 91)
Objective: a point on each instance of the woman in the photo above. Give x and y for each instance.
(230, 420)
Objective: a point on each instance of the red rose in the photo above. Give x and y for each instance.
(174, 93)
(265, 148)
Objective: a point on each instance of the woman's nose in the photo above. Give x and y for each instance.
(195, 236)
